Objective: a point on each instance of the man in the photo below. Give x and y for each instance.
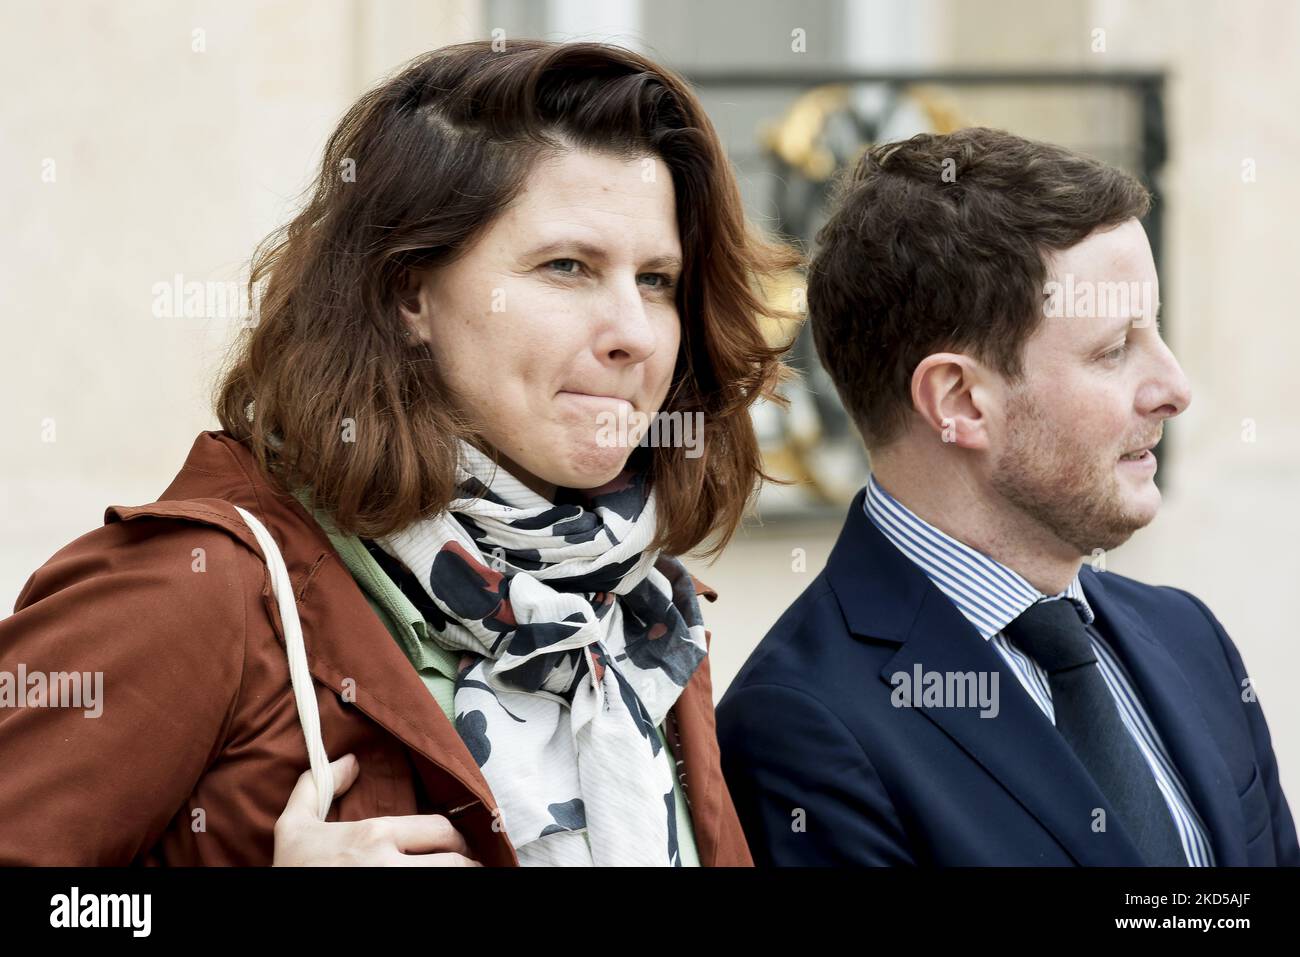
(963, 684)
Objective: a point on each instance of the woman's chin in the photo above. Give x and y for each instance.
(591, 466)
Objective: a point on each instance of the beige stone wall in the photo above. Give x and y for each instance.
(131, 157)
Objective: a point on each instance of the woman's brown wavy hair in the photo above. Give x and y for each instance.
(415, 170)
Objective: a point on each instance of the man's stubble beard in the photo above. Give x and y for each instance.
(1064, 488)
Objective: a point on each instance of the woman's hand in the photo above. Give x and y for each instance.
(415, 840)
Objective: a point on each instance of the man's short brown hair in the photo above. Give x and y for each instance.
(938, 243)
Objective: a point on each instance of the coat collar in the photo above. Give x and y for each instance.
(885, 596)
(346, 642)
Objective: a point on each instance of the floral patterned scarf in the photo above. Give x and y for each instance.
(577, 641)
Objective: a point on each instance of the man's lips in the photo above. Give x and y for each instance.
(1142, 460)
(1143, 448)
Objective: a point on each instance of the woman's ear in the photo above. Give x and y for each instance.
(412, 305)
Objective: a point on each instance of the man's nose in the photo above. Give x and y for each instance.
(1173, 392)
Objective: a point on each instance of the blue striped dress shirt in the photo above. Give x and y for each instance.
(991, 596)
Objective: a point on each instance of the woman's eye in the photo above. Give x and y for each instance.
(563, 266)
(665, 281)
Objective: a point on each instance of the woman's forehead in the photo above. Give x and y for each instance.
(602, 203)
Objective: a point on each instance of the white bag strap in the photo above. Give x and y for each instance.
(303, 692)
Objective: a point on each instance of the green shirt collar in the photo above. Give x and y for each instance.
(399, 615)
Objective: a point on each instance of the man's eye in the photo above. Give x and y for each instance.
(563, 266)
(1116, 353)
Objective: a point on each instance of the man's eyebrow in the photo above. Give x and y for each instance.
(1104, 337)
(584, 248)
(1114, 330)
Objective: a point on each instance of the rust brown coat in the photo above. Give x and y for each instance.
(199, 744)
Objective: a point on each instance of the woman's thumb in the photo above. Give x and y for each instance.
(302, 800)
(345, 771)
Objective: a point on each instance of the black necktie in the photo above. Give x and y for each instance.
(1054, 634)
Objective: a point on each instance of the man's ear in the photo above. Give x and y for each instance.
(949, 394)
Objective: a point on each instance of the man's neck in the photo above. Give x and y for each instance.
(954, 503)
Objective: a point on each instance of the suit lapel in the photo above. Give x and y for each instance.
(1177, 717)
(885, 596)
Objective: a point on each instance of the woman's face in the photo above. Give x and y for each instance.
(560, 320)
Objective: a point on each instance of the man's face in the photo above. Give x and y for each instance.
(1099, 383)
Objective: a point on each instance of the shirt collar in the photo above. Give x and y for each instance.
(989, 594)
(399, 614)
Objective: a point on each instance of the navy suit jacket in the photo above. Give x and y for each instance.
(824, 769)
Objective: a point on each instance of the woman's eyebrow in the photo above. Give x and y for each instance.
(667, 261)
(579, 246)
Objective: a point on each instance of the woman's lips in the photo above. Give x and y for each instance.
(595, 399)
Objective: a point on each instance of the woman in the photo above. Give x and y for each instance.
(506, 254)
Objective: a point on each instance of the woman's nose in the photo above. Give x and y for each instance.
(627, 334)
